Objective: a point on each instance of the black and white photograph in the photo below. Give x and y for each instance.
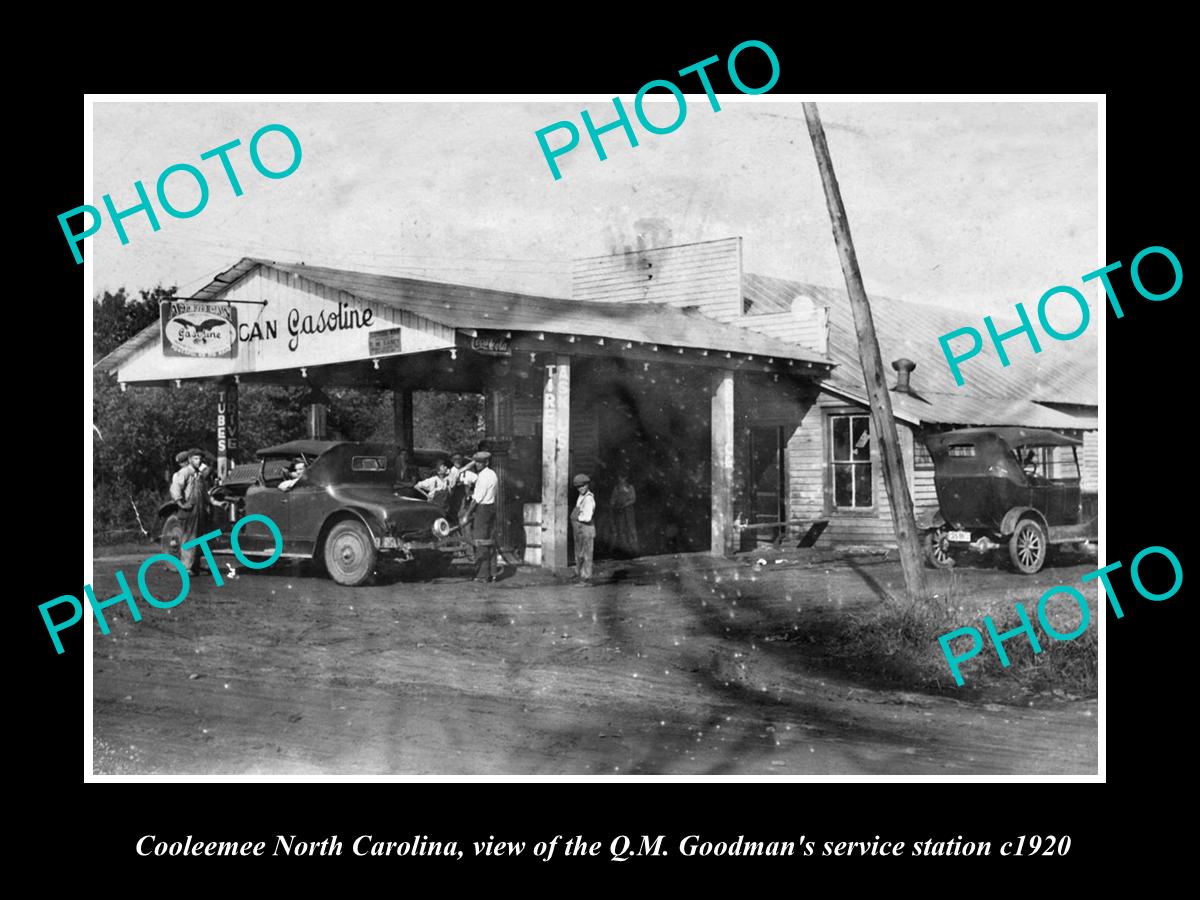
(506, 438)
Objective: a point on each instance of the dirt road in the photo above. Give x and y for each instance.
(676, 667)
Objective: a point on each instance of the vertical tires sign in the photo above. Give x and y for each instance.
(206, 330)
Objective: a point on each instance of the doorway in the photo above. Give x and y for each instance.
(765, 484)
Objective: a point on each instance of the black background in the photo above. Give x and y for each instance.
(1148, 491)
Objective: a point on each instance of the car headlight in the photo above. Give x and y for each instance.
(441, 528)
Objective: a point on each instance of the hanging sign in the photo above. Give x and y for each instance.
(207, 330)
(490, 345)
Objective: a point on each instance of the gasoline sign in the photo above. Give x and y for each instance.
(206, 330)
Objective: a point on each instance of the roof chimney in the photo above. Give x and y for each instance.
(903, 369)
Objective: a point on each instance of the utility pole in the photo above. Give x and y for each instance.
(868, 351)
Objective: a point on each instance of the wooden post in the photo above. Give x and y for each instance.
(402, 406)
(556, 446)
(497, 405)
(227, 427)
(868, 350)
(723, 531)
(317, 417)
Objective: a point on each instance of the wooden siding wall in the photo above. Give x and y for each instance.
(526, 414)
(706, 276)
(585, 437)
(1089, 461)
(925, 501)
(805, 324)
(284, 292)
(808, 483)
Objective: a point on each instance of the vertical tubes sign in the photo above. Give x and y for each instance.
(227, 427)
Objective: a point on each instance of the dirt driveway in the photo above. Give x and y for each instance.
(675, 667)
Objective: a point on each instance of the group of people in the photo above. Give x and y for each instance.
(465, 489)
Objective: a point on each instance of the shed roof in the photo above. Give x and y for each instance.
(992, 395)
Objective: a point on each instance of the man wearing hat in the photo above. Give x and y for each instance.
(189, 489)
(460, 481)
(482, 512)
(582, 518)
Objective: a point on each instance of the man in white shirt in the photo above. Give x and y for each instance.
(436, 487)
(583, 519)
(458, 467)
(461, 482)
(482, 512)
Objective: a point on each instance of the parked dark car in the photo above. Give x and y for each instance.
(1005, 486)
(350, 509)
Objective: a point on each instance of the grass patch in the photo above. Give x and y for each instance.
(898, 641)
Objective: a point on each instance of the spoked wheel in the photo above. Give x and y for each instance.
(172, 536)
(936, 552)
(1027, 547)
(349, 553)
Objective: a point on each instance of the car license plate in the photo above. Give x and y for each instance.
(963, 537)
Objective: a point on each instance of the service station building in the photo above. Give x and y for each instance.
(641, 372)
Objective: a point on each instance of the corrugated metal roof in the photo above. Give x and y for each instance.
(1014, 437)
(461, 306)
(992, 395)
(469, 308)
(959, 409)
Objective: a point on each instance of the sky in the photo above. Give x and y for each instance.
(975, 206)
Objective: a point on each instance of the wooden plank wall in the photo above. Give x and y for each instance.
(924, 492)
(805, 324)
(808, 481)
(585, 437)
(1089, 461)
(526, 414)
(707, 276)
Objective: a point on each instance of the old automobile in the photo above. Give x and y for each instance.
(1014, 487)
(351, 508)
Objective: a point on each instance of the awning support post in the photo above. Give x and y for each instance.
(723, 531)
(556, 450)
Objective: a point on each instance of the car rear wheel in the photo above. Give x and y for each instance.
(172, 536)
(1027, 547)
(349, 552)
(936, 552)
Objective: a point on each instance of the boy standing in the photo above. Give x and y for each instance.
(582, 519)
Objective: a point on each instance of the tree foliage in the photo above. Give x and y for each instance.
(117, 317)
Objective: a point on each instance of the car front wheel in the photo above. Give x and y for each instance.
(1027, 547)
(349, 553)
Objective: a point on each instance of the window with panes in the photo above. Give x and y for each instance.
(851, 471)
